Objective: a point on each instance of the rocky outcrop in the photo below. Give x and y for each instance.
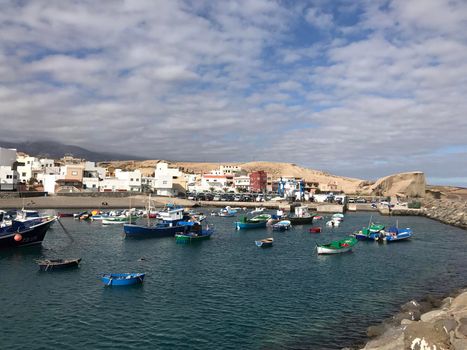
(451, 212)
(411, 184)
(438, 329)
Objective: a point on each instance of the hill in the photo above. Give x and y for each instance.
(56, 150)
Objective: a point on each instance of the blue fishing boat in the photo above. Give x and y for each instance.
(27, 228)
(394, 234)
(258, 221)
(283, 225)
(122, 279)
(172, 223)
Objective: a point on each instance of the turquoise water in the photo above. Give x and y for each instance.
(224, 293)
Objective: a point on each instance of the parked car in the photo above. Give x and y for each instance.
(217, 197)
(360, 200)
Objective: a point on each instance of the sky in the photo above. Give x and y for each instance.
(356, 88)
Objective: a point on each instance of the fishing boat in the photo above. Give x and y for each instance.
(65, 215)
(319, 217)
(23, 230)
(394, 234)
(301, 216)
(227, 212)
(122, 279)
(265, 243)
(257, 210)
(78, 215)
(338, 216)
(195, 234)
(333, 223)
(173, 222)
(337, 247)
(366, 235)
(56, 264)
(283, 225)
(258, 221)
(315, 229)
(117, 220)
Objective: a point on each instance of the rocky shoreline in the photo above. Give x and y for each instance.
(429, 324)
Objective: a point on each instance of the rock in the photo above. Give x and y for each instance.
(446, 302)
(433, 315)
(406, 322)
(460, 302)
(411, 305)
(447, 325)
(459, 344)
(393, 339)
(376, 331)
(424, 336)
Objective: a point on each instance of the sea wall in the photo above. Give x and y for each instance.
(420, 327)
(450, 212)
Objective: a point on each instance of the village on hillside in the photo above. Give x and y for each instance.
(20, 172)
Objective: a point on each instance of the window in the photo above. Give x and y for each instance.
(137, 180)
(23, 174)
(9, 176)
(74, 173)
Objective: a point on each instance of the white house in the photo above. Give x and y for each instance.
(8, 178)
(7, 156)
(230, 169)
(165, 178)
(217, 181)
(242, 182)
(122, 182)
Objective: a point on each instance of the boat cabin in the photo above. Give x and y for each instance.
(172, 214)
(302, 212)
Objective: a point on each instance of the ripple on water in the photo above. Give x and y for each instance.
(224, 293)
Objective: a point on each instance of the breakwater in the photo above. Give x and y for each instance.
(451, 212)
(429, 324)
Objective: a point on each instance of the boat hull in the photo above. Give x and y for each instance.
(25, 237)
(324, 250)
(192, 238)
(137, 231)
(123, 279)
(250, 225)
(300, 221)
(58, 264)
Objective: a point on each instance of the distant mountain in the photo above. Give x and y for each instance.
(57, 150)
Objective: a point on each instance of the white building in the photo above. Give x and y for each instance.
(8, 178)
(229, 169)
(124, 181)
(216, 181)
(165, 178)
(7, 156)
(242, 182)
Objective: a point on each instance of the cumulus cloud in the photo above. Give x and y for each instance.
(361, 90)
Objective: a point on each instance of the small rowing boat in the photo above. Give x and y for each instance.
(336, 247)
(265, 243)
(122, 279)
(56, 264)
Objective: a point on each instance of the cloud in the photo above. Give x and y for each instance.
(318, 18)
(357, 90)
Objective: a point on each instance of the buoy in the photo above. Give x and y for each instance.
(18, 237)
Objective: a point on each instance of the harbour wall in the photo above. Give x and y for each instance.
(428, 324)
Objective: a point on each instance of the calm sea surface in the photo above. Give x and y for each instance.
(224, 293)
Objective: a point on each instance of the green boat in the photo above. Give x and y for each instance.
(193, 236)
(337, 247)
(259, 221)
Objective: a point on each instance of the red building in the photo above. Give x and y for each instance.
(258, 181)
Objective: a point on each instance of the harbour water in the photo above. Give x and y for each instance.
(224, 293)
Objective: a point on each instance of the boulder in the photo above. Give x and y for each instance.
(433, 315)
(424, 336)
